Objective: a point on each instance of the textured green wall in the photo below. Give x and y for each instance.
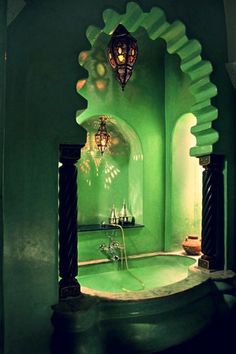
(2, 128)
(141, 106)
(179, 166)
(162, 97)
(230, 11)
(185, 188)
(103, 179)
(43, 43)
(40, 77)
(117, 177)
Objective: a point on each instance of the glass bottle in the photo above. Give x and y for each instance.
(112, 218)
(123, 214)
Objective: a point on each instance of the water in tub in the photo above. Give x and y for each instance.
(141, 273)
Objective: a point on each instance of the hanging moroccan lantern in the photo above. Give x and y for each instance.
(102, 138)
(122, 54)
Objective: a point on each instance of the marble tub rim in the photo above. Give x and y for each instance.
(196, 277)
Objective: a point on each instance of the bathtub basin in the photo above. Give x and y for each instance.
(144, 273)
(162, 301)
(159, 302)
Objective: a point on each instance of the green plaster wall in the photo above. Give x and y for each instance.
(40, 76)
(230, 11)
(103, 179)
(179, 166)
(141, 106)
(162, 97)
(117, 177)
(2, 128)
(42, 69)
(185, 189)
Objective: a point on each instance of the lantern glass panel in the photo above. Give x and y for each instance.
(122, 54)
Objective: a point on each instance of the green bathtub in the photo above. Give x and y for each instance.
(159, 302)
(143, 273)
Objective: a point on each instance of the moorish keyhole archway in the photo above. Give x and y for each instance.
(191, 63)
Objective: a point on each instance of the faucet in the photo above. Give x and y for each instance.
(115, 251)
(111, 250)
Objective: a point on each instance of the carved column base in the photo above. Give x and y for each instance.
(208, 263)
(69, 288)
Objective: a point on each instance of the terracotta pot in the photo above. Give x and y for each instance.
(192, 245)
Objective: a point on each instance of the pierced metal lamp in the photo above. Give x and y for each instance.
(102, 138)
(122, 54)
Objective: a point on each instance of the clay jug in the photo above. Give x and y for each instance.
(192, 245)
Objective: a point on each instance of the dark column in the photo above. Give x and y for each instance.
(68, 254)
(212, 212)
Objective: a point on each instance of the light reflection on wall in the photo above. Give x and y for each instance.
(186, 183)
(138, 157)
(91, 156)
(97, 67)
(109, 178)
(111, 172)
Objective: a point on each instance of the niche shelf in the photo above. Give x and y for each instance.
(100, 227)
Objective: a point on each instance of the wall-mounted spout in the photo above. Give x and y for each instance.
(115, 246)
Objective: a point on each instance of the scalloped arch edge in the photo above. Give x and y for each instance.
(188, 50)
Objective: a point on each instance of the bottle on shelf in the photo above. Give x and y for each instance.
(123, 217)
(113, 218)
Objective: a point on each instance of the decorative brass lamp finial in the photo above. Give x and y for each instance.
(122, 54)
